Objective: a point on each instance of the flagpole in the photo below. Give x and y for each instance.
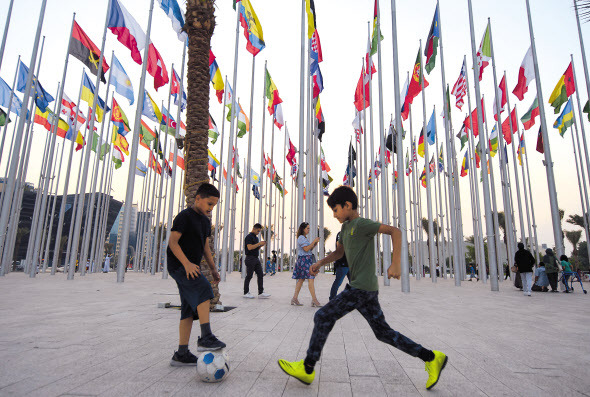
(436, 195)
(519, 202)
(262, 157)
(584, 197)
(228, 188)
(139, 250)
(140, 221)
(218, 225)
(5, 129)
(301, 166)
(486, 187)
(526, 198)
(106, 206)
(547, 149)
(441, 230)
(151, 233)
(281, 261)
(5, 35)
(155, 260)
(581, 115)
(585, 63)
(270, 190)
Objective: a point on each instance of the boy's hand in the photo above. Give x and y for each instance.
(192, 270)
(314, 269)
(393, 273)
(215, 275)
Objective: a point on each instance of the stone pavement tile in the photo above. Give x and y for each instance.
(366, 386)
(236, 384)
(361, 367)
(197, 388)
(401, 390)
(391, 372)
(295, 388)
(161, 388)
(67, 384)
(27, 385)
(330, 389)
(334, 371)
(268, 387)
(127, 388)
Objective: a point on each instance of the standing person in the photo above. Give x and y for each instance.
(107, 264)
(268, 267)
(551, 268)
(253, 263)
(305, 259)
(340, 270)
(567, 271)
(358, 238)
(524, 262)
(189, 242)
(541, 280)
(274, 263)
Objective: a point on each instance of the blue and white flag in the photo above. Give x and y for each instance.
(431, 130)
(42, 98)
(120, 80)
(140, 168)
(5, 98)
(173, 11)
(254, 178)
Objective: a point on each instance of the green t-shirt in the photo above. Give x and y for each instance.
(567, 267)
(358, 236)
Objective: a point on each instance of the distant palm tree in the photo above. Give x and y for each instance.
(577, 220)
(573, 236)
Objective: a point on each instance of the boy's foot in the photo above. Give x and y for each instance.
(248, 296)
(263, 295)
(434, 368)
(296, 369)
(209, 343)
(183, 360)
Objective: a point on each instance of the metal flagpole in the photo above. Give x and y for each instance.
(9, 186)
(150, 210)
(526, 203)
(301, 166)
(52, 212)
(242, 256)
(270, 190)
(547, 149)
(106, 206)
(585, 63)
(228, 188)
(5, 35)
(262, 150)
(584, 197)
(121, 265)
(5, 129)
(141, 219)
(441, 229)
(486, 187)
(218, 225)
(281, 258)
(528, 174)
(154, 260)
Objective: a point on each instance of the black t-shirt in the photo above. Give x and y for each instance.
(195, 228)
(251, 238)
(342, 261)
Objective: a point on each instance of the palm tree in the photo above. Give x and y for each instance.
(577, 220)
(573, 236)
(200, 23)
(436, 230)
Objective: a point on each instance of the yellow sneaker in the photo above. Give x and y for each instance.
(434, 368)
(297, 370)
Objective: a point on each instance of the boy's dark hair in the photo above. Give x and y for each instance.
(207, 190)
(563, 258)
(257, 226)
(341, 195)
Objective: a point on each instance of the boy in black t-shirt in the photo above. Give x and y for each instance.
(189, 241)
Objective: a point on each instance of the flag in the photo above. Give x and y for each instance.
(564, 88)
(154, 164)
(506, 126)
(150, 109)
(119, 119)
(120, 80)
(121, 142)
(4, 119)
(156, 67)
(243, 122)
(462, 135)
(526, 74)
(88, 92)
(501, 93)
(271, 92)
(520, 149)
(494, 142)
(565, 119)
(484, 54)
(540, 147)
(254, 178)
(431, 130)
(82, 48)
(431, 48)
(441, 160)
(351, 154)
(179, 159)
(213, 132)
(311, 23)
(467, 122)
(146, 136)
(415, 86)
(478, 154)
(256, 192)
(421, 143)
(408, 164)
(127, 30)
(361, 94)
(173, 12)
(118, 157)
(528, 120)
(321, 126)
(315, 51)
(376, 35)
(47, 119)
(252, 28)
(140, 168)
(460, 87)
(291, 153)
(213, 162)
(465, 166)
(69, 109)
(104, 147)
(42, 97)
(5, 91)
(587, 109)
(215, 77)
(168, 122)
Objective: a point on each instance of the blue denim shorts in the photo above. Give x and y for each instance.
(192, 292)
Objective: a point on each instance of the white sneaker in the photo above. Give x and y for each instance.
(528, 294)
(263, 295)
(248, 296)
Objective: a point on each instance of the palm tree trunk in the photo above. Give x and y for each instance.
(200, 23)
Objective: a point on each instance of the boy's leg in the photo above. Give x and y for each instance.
(203, 312)
(184, 331)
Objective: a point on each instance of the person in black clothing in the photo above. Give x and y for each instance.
(189, 242)
(340, 270)
(525, 261)
(253, 262)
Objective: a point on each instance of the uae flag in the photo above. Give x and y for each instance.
(528, 120)
(83, 48)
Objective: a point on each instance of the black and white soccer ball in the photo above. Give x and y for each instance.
(213, 366)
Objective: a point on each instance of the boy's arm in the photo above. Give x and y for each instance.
(190, 268)
(394, 270)
(339, 253)
(210, 262)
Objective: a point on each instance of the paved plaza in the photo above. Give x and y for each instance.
(94, 337)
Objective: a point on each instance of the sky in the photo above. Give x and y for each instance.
(343, 30)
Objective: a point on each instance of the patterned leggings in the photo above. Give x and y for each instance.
(367, 304)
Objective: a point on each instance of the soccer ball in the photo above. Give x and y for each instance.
(213, 366)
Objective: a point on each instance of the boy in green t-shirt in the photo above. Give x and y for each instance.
(357, 237)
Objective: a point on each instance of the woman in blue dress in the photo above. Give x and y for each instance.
(305, 259)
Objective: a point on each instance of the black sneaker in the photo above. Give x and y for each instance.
(183, 360)
(209, 343)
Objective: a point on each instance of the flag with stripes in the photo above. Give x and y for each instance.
(460, 87)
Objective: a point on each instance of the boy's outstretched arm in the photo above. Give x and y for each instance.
(394, 270)
(210, 262)
(334, 256)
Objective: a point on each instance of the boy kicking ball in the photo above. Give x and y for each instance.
(189, 241)
(357, 236)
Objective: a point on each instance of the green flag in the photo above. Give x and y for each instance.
(3, 118)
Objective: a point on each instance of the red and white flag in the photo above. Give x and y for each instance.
(156, 67)
(526, 74)
(460, 87)
(68, 108)
(500, 92)
(179, 159)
